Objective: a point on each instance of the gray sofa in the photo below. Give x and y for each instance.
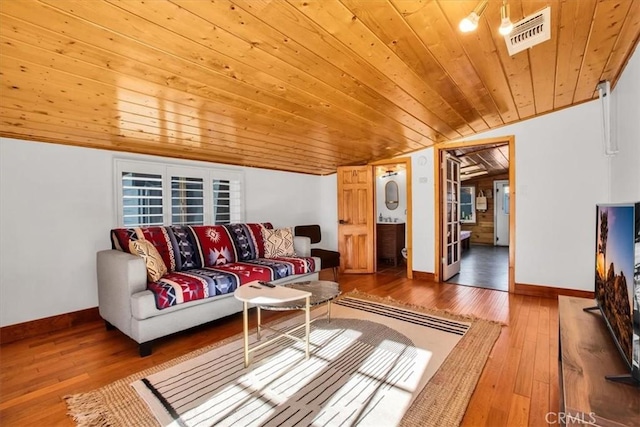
(126, 303)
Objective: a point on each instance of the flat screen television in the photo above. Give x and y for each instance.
(617, 280)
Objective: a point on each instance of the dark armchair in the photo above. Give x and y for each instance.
(328, 259)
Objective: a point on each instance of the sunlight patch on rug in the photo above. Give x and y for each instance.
(366, 367)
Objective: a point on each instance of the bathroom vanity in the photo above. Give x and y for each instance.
(390, 241)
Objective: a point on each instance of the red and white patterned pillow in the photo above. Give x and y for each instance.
(278, 242)
(156, 267)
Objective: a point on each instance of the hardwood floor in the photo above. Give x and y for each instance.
(519, 385)
(484, 266)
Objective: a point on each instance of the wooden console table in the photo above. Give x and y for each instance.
(587, 354)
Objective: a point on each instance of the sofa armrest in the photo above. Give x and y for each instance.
(302, 246)
(120, 275)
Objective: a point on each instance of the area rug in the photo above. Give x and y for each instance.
(376, 362)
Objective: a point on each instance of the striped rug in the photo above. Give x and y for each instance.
(371, 365)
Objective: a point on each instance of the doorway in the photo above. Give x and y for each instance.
(479, 257)
(393, 217)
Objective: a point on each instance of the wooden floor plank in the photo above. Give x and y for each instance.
(36, 373)
(524, 377)
(538, 410)
(480, 405)
(37, 394)
(554, 355)
(518, 411)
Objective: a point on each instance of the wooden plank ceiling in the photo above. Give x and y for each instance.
(299, 85)
(491, 159)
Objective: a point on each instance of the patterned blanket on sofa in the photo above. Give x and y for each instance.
(205, 261)
(178, 287)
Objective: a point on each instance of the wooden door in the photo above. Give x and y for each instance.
(356, 236)
(450, 216)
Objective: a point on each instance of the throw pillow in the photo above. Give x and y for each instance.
(278, 242)
(156, 267)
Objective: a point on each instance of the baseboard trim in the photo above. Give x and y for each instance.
(550, 292)
(55, 323)
(421, 275)
(33, 328)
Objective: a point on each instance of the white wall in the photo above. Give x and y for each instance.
(561, 173)
(56, 212)
(57, 207)
(282, 198)
(423, 220)
(328, 210)
(625, 166)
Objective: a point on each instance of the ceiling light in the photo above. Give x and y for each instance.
(470, 23)
(506, 26)
(471, 175)
(470, 168)
(389, 173)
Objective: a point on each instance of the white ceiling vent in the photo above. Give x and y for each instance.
(529, 31)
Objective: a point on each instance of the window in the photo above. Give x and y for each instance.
(226, 201)
(467, 204)
(187, 201)
(505, 200)
(163, 194)
(141, 199)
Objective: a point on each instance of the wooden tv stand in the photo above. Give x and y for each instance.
(587, 354)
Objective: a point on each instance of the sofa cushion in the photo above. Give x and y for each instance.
(159, 236)
(286, 266)
(278, 242)
(185, 244)
(256, 229)
(143, 307)
(180, 287)
(247, 240)
(214, 245)
(155, 265)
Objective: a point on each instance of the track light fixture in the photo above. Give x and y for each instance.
(506, 26)
(470, 22)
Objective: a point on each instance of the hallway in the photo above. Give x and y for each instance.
(484, 267)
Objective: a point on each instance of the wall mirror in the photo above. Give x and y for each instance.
(391, 198)
(467, 204)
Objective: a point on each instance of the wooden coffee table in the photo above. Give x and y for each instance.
(291, 296)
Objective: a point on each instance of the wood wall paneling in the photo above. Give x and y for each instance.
(482, 231)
